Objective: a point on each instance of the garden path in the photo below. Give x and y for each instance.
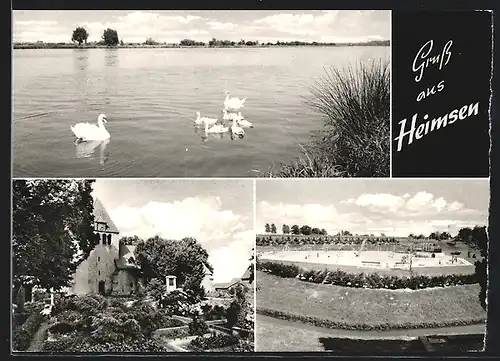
(36, 342)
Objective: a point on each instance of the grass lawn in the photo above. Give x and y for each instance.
(354, 308)
(273, 336)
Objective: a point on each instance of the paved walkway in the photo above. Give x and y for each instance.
(36, 343)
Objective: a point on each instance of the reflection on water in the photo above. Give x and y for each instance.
(87, 149)
(111, 58)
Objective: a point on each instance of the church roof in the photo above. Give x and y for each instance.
(207, 271)
(102, 216)
(128, 259)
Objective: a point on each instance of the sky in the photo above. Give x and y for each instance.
(218, 213)
(173, 26)
(395, 207)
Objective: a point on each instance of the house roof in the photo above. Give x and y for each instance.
(226, 285)
(246, 275)
(102, 216)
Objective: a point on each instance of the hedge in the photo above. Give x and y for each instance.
(172, 332)
(362, 280)
(321, 322)
(23, 335)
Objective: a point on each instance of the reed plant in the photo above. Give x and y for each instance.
(354, 102)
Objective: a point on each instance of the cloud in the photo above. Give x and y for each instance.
(221, 232)
(232, 260)
(137, 26)
(423, 203)
(377, 202)
(420, 213)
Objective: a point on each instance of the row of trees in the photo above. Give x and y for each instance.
(295, 229)
(109, 36)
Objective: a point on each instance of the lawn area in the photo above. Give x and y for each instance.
(273, 336)
(367, 309)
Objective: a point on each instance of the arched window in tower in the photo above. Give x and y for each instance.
(103, 239)
(109, 240)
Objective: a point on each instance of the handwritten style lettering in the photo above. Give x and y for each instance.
(418, 132)
(423, 60)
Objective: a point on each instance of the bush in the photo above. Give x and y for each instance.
(78, 344)
(22, 336)
(355, 103)
(214, 341)
(151, 319)
(198, 327)
(361, 280)
(174, 332)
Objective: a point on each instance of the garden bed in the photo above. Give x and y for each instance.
(365, 309)
(98, 324)
(361, 280)
(219, 342)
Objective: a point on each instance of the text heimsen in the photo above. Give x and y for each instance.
(431, 125)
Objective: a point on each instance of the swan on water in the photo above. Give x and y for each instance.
(204, 120)
(233, 103)
(235, 129)
(216, 129)
(231, 116)
(86, 131)
(244, 123)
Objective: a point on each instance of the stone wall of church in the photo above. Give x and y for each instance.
(98, 267)
(124, 283)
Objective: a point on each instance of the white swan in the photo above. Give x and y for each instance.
(235, 129)
(233, 103)
(86, 131)
(231, 116)
(244, 123)
(204, 120)
(216, 129)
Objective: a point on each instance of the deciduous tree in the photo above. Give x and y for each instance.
(53, 230)
(110, 37)
(80, 35)
(184, 259)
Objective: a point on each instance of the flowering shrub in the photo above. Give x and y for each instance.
(198, 327)
(109, 326)
(361, 280)
(214, 341)
(22, 336)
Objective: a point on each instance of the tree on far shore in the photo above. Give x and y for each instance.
(80, 35)
(286, 229)
(110, 37)
(268, 228)
(273, 228)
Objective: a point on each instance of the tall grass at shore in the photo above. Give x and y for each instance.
(355, 104)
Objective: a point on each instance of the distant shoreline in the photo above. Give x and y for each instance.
(177, 46)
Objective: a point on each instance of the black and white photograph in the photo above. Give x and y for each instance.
(371, 265)
(113, 266)
(201, 93)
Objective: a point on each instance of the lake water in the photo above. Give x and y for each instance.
(150, 97)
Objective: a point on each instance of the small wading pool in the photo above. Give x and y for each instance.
(368, 259)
